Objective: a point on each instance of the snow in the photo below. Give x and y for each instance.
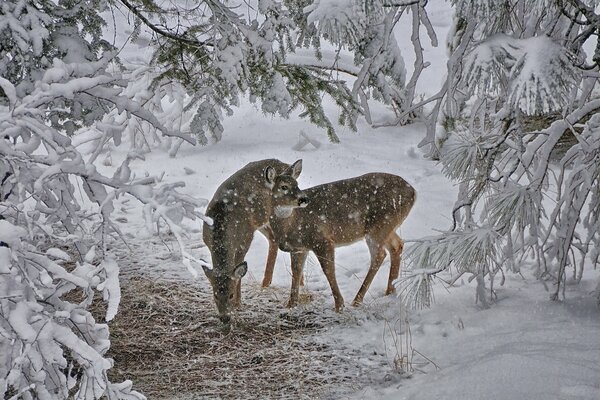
(11, 234)
(522, 347)
(58, 253)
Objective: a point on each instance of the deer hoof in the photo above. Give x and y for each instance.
(291, 304)
(390, 290)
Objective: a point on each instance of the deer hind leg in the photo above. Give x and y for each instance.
(395, 246)
(298, 259)
(377, 251)
(326, 256)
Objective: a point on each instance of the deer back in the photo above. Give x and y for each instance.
(346, 211)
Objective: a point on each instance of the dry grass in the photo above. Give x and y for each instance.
(167, 339)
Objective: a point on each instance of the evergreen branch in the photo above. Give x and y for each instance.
(322, 67)
(405, 3)
(162, 32)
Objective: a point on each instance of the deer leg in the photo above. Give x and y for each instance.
(377, 256)
(395, 247)
(326, 256)
(298, 259)
(239, 257)
(237, 297)
(271, 258)
(270, 266)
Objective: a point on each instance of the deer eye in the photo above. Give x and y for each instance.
(231, 296)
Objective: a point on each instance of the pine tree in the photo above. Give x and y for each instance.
(516, 125)
(284, 55)
(58, 77)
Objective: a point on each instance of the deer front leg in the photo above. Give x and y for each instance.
(270, 266)
(326, 256)
(298, 259)
(272, 257)
(239, 257)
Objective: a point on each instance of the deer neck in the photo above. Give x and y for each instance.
(281, 220)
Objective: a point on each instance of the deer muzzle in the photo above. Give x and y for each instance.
(225, 318)
(303, 201)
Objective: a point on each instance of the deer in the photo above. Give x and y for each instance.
(370, 206)
(240, 206)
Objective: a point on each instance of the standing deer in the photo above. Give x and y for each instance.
(370, 206)
(240, 206)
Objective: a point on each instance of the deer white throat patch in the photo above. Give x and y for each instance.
(283, 211)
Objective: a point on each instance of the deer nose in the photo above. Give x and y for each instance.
(302, 201)
(225, 318)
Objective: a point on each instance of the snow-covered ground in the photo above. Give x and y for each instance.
(523, 347)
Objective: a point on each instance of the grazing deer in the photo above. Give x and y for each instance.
(370, 206)
(240, 206)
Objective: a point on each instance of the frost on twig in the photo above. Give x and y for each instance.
(415, 289)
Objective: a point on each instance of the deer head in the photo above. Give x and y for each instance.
(224, 285)
(286, 194)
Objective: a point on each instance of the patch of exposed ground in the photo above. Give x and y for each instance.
(167, 339)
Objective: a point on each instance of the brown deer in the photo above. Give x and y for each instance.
(240, 206)
(370, 206)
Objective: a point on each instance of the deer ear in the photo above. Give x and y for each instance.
(296, 169)
(240, 270)
(270, 174)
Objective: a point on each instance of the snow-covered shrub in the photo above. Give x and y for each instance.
(56, 79)
(522, 196)
(52, 348)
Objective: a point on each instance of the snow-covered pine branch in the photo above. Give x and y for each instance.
(218, 52)
(535, 75)
(52, 195)
(521, 138)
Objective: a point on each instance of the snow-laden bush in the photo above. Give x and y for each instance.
(57, 78)
(517, 125)
(52, 348)
(51, 193)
